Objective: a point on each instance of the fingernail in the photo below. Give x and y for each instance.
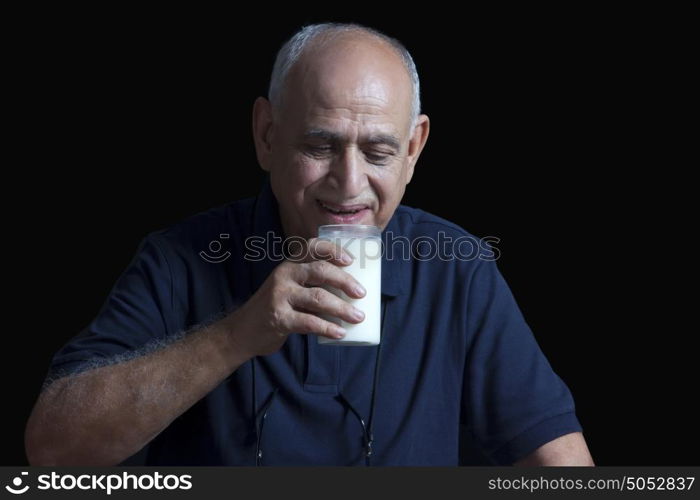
(346, 259)
(359, 289)
(358, 315)
(340, 332)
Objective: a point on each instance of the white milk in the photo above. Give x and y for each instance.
(367, 269)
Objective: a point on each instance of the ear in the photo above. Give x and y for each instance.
(419, 135)
(262, 131)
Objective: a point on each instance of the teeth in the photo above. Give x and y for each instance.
(338, 211)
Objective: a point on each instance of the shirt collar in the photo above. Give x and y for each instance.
(266, 221)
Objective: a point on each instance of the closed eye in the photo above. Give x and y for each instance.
(318, 150)
(378, 157)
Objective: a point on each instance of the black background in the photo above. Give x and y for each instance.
(550, 130)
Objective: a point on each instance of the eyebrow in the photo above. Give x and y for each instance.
(335, 138)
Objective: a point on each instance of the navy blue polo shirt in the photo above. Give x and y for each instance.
(461, 379)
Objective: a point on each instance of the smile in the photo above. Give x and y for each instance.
(344, 214)
(342, 209)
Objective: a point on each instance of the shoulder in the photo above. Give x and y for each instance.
(438, 249)
(416, 222)
(428, 231)
(216, 229)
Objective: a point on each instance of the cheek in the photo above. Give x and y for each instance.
(384, 197)
(389, 189)
(305, 171)
(290, 167)
(388, 185)
(296, 175)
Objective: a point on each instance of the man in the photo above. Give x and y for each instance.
(249, 384)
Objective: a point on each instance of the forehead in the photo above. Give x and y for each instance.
(347, 82)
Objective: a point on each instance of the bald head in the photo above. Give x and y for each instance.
(349, 47)
(349, 71)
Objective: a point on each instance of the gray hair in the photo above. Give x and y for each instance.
(295, 46)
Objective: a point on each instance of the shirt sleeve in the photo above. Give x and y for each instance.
(136, 314)
(513, 401)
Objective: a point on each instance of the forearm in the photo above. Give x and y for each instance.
(569, 449)
(104, 415)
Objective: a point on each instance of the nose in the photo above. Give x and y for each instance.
(347, 174)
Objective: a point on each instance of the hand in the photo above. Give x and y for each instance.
(291, 298)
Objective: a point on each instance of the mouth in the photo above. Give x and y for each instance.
(345, 214)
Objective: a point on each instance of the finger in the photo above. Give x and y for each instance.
(321, 273)
(318, 300)
(309, 323)
(327, 250)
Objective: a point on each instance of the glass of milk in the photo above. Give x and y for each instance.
(364, 244)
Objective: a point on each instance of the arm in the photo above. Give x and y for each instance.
(570, 449)
(103, 416)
